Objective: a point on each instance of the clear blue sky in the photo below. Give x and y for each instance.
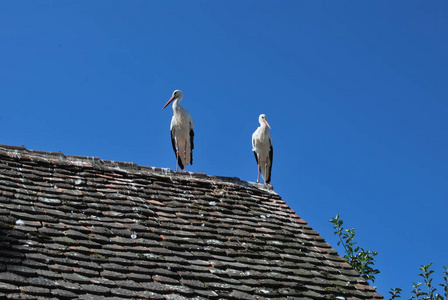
(356, 94)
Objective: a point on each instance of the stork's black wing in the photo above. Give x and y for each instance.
(173, 142)
(191, 144)
(256, 158)
(271, 156)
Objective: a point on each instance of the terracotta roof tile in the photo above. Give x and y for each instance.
(76, 227)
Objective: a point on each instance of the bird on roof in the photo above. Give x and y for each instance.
(262, 148)
(182, 133)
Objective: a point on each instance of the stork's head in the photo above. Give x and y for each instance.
(177, 94)
(263, 120)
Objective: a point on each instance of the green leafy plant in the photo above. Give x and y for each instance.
(360, 259)
(430, 292)
(363, 261)
(445, 284)
(426, 274)
(416, 291)
(395, 293)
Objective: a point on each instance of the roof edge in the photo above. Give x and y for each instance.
(14, 151)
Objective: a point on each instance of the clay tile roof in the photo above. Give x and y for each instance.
(83, 228)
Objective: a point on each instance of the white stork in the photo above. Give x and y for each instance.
(262, 147)
(182, 133)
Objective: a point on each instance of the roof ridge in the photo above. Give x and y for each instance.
(94, 161)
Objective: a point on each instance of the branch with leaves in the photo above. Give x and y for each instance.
(431, 291)
(360, 259)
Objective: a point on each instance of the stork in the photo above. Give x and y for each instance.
(262, 147)
(182, 133)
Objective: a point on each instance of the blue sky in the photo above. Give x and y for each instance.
(356, 94)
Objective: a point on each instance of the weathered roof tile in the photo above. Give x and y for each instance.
(8, 288)
(12, 278)
(61, 293)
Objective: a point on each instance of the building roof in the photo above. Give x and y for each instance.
(76, 227)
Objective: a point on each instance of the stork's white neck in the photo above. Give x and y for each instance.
(264, 129)
(176, 103)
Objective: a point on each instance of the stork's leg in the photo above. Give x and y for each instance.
(258, 172)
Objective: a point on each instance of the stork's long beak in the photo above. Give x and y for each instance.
(266, 121)
(169, 101)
